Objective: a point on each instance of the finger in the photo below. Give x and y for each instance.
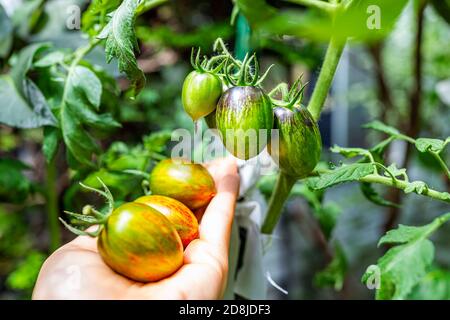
(217, 220)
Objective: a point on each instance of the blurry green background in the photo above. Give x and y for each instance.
(373, 81)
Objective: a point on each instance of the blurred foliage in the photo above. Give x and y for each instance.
(24, 277)
(36, 54)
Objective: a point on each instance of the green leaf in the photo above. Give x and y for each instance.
(372, 195)
(327, 215)
(354, 22)
(442, 7)
(381, 147)
(6, 33)
(26, 16)
(121, 43)
(416, 186)
(16, 111)
(14, 186)
(82, 95)
(52, 136)
(396, 172)
(94, 18)
(349, 152)
(346, 173)
(50, 59)
(380, 126)
(433, 145)
(434, 286)
(334, 274)
(404, 265)
(24, 104)
(121, 184)
(25, 276)
(157, 141)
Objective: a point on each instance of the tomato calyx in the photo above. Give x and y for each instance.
(213, 65)
(244, 73)
(290, 97)
(90, 216)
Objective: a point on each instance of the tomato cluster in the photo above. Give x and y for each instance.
(227, 92)
(144, 239)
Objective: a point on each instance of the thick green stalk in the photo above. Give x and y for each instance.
(278, 198)
(285, 183)
(441, 163)
(52, 206)
(326, 76)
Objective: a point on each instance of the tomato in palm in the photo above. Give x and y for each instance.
(200, 93)
(187, 182)
(140, 243)
(181, 216)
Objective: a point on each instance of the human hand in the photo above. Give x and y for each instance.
(76, 270)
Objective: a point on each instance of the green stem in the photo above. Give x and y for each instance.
(52, 207)
(278, 198)
(147, 5)
(321, 5)
(441, 163)
(326, 76)
(374, 178)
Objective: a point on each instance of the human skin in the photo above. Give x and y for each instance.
(76, 270)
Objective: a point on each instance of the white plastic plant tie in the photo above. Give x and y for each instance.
(274, 284)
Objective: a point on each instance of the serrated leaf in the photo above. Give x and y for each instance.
(405, 234)
(346, 173)
(380, 126)
(349, 152)
(334, 274)
(372, 195)
(433, 145)
(121, 42)
(82, 95)
(404, 265)
(416, 186)
(396, 172)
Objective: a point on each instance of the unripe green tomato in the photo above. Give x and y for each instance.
(201, 91)
(300, 144)
(241, 111)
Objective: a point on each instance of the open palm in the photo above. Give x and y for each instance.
(76, 270)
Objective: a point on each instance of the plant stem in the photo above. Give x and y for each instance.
(441, 163)
(399, 184)
(326, 76)
(321, 5)
(278, 198)
(147, 5)
(52, 206)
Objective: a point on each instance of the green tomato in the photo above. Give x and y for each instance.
(241, 113)
(201, 91)
(140, 243)
(300, 144)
